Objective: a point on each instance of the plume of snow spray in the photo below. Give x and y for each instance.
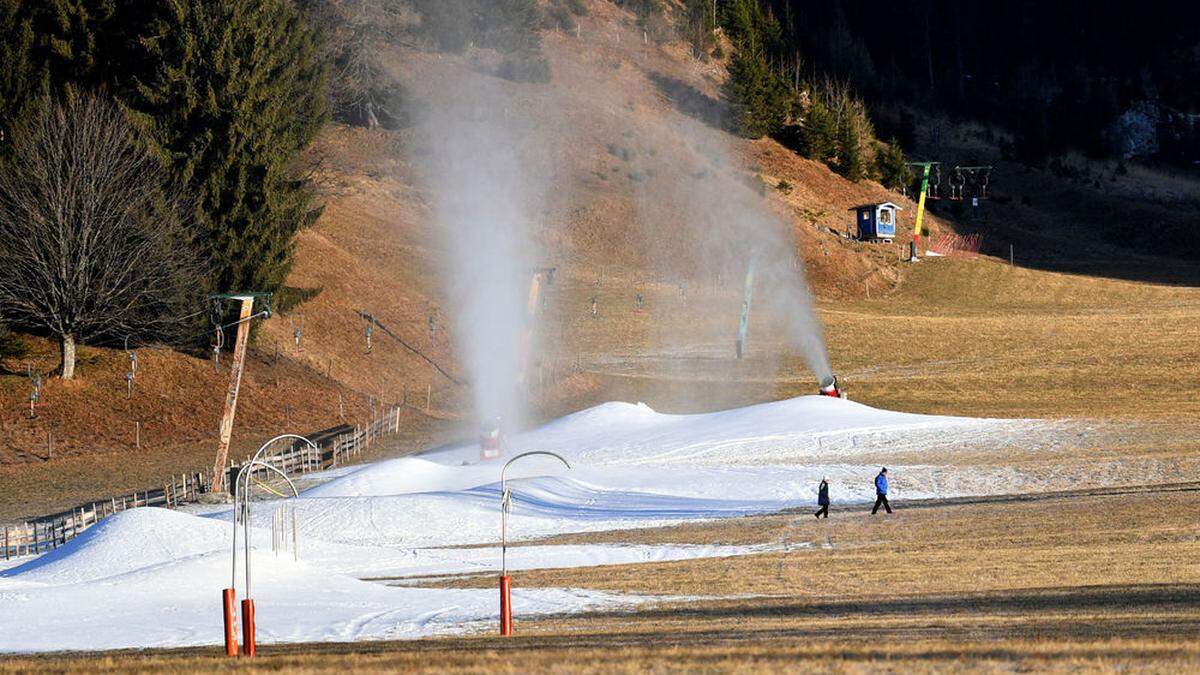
(487, 175)
(731, 226)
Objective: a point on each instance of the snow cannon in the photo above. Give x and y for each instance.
(829, 387)
(491, 440)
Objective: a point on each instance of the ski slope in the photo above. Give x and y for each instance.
(438, 514)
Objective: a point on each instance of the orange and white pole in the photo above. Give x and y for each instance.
(506, 621)
(505, 580)
(228, 597)
(248, 647)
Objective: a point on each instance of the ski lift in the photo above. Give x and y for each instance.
(935, 183)
(218, 314)
(957, 181)
(131, 374)
(217, 345)
(368, 330)
(977, 178)
(218, 334)
(298, 332)
(35, 396)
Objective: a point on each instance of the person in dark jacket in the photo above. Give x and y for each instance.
(823, 499)
(881, 487)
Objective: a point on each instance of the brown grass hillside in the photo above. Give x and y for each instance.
(373, 248)
(372, 251)
(634, 110)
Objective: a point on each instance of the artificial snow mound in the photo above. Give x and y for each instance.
(438, 514)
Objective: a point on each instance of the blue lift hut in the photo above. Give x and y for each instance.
(876, 222)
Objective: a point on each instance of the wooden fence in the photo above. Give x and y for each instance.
(49, 532)
(335, 446)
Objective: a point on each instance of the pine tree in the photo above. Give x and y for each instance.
(850, 152)
(819, 133)
(19, 79)
(47, 48)
(759, 99)
(749, 24)
(232, 92)
(893, 172)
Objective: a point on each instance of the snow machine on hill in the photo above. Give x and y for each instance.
(491, 440)
(829, 387)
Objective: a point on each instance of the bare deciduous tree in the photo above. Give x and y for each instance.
(91, 241)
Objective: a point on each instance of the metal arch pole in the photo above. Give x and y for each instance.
(239, 494)
(243, 489)
(236, 514)
(271, 442)
(506, 624)
(504, 506)
(506, 502)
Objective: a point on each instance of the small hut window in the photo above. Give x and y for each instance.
(885, 216)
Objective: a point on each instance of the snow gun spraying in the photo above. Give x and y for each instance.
(491, 439)
(830, 387)
(491, 434)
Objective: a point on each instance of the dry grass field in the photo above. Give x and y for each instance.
(966, 337)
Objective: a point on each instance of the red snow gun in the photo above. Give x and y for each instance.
(491, 440)
(829, 387)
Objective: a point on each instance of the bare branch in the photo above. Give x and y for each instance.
(91, 239)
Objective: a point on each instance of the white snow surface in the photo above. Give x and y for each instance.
(161, 571)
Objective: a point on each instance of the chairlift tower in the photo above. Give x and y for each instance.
(744, 319)
(246, 314)
(925, 167)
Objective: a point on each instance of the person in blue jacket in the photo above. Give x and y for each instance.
(881, 491)
(823, 499)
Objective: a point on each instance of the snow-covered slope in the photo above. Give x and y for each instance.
(161, 571)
